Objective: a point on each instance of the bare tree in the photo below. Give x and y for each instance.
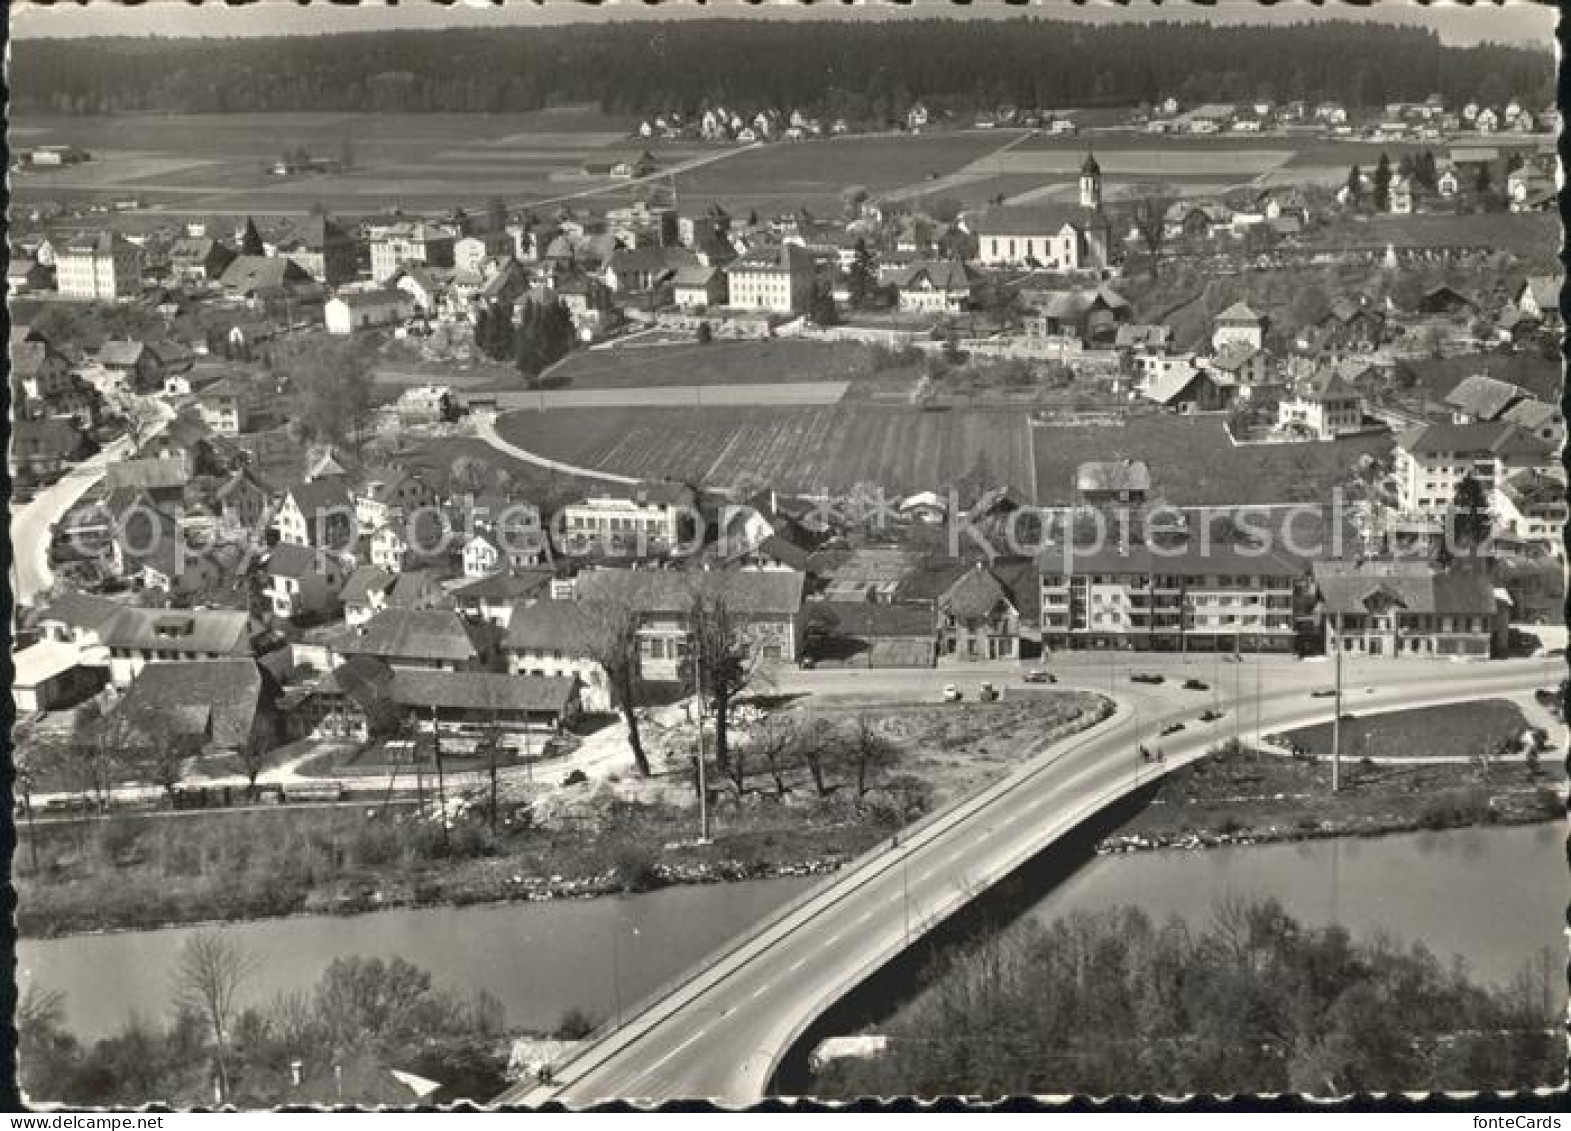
(610, 638)
(208, 978)
(870, 750)
(722, 661)
(1149, 204)
(778, 740)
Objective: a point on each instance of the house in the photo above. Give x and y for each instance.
(765, 605)
(1399, 198)
(1238, 323)
(1323, 405)
(25, 274)
(409, 542)
(260, 278)
(49, 676)
(1188, 389)
(364, 310)
(323, 250)
(779, 280)
(385, 494)
(873, 634)
(211, 707)
(643, 269)
(199, 260)
(493, 599)
(474, 251)
(43, 371)
(1539, 297)
(431, 291)
(303, 582)
(364, 593)
(48, 446)
(656, 516)
(419, 638)
(1480, 397)
(978, 618)
(1238, 366)
(318, 513)
(924, 506)
(556, 639)
(228, 406)
(242, 502)
(1058, 237)
(105, 267)
(1432, 459)
(495, 552)
(137, 638)
(697, 287)
(930, 287)
(426, 404)
(519, 712)
(160, 482)
(1447, 301)
(1530, 507)
(1538, 419)
(406, 243)
(1183, 596)
(1447, 183)
(1407, 609)
(1100, 483)
(133, 365)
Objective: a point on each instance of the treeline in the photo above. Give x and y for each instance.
(860, 71)
(333, 1043)
(1114, 1003)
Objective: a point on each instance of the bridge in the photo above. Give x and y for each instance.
(720, 1031)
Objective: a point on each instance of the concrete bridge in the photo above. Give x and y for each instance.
(721, 1030)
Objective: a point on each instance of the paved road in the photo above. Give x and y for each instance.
(31, 523)
(720, 1034)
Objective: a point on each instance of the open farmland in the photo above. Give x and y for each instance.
(718, 363)
(815, 450)
(1194, 463)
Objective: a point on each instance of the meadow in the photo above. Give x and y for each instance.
(814, 450)
(717, 363)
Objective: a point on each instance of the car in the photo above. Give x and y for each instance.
(1322, 693)
(952, 693)
(1037, 675)
(1547, 695)
(1172, 728)
(987, 693)
(806, 663)
(1147, 677)
(1196, 685)
(1210, 716)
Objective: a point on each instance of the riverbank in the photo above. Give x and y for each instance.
(1243, 795)
(824, 795)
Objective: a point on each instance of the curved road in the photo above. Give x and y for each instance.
(720, 1034)
(32, 523)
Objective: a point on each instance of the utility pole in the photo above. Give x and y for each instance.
(496, 743)
(441, 785)
(1336, 723)
(703, 774)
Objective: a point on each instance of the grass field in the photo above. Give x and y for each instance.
(1193, 463)
(718, 363)
(813, 450)
(1458, 730)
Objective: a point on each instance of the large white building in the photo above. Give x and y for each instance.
(102, 266)
(649, 517)
(1058, 237)
(777, 280)
(1432, 459)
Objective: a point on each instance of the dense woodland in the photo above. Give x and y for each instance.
(861, 71)
(1114, 1003)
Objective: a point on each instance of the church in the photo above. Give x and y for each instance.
(1055, 237)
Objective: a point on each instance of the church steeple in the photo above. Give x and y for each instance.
(1090, 183)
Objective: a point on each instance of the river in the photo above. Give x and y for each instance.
(1492, 897)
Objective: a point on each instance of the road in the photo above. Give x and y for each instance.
(720, 1033)
(32, 522)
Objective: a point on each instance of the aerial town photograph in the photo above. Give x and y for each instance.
(564, 554)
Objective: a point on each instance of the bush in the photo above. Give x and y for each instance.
(635, 867)
(574, 1025)
(1454, 807)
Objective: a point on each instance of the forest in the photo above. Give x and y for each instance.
(864, 72)
(1254, 1000)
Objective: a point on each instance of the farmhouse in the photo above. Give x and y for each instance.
(215, 707)
(364, 310)
(555, 638)
(419, 638)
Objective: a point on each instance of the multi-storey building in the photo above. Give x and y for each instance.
(402, 244)
(650, 517)
(1165, 597)
(1408, 608)
(777, 280)
(102, 266)
(1432, 459)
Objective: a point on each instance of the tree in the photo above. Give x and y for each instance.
(609, 637)
(1382, 183)
(852, 197)
(496, 215)
(1355, 187)
(704, 334)
(777, 740)
(334, 379)
(1148, 213)
(545, 335)
(862, 278)
(209, 975)
(251, 239)
(722, 661)
(46, 1051)
(870, 752)
(468, 474)
(1471, 520)
(821, 309)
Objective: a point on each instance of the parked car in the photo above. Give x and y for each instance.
(1147, 677)
(952, 693)
(1037, 675)
(1322, 693)
(987, 693)
(1172, 728)
(1196, 685)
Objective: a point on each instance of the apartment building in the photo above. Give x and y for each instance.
(1431, 459)
(102, 266)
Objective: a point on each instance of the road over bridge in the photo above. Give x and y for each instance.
(720, 1031)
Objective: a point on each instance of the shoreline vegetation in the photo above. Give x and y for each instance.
(143, 873)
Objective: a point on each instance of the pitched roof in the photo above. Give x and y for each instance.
(480, 691)
(1326, 384)
(505, 586)
(126, 353)
(216, 699)
(289, 560)
(1545, 290)
(1484, 397)
(766, 593)
(146, 474)
(1037, 220)
(1497, 438)
(1531, 414)
(364, 581)
(319, 496)
(869, 619)
(250, 273)
(412, 634)
(1239, 313)
(550, 625)
(226, 632)
(415, 589)
(1416, 586)
(380, 296)
(943, 274)
(976, 594)
(82, 610)
(1170, 384)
